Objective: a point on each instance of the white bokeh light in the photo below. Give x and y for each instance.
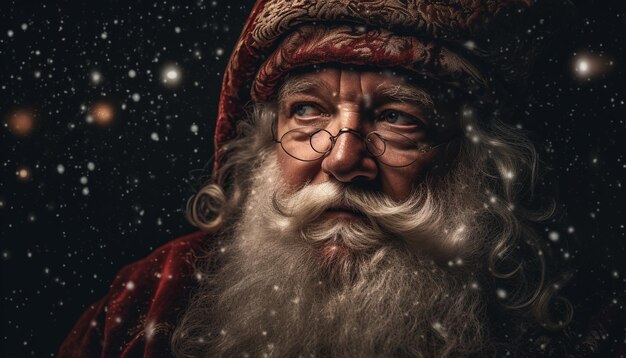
(582, 66)
(588, 65)
(171, 75)
(96, 77)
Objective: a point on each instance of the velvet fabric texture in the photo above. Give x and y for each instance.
(137, 316)
(356, 45)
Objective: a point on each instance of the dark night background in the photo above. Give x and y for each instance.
(81, 197)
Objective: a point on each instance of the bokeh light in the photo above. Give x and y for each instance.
(171, 75)
(96, 77)
(23, 173)
(588, 65)
(102, 113)
(21, 122)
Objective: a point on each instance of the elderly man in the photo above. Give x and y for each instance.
(367, 198)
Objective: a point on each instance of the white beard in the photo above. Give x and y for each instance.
(296, 285)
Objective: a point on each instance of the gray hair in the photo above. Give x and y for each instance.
(499, 158)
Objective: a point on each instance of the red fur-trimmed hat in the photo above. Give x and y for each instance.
(479, 43)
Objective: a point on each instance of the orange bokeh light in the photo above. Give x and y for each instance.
(102, 113)
(21, 123)
(23, 174)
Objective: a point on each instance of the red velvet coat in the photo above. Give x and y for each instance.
(139, 313)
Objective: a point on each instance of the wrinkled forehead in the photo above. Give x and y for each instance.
(353, 84)
(371, 82)
(374, 90)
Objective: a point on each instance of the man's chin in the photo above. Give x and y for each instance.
(346, 244)
(334, 252)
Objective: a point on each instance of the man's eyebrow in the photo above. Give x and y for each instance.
(297, 85)
(404, 93)
(394, 92)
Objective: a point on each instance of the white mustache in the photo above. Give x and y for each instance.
(418, 221)
(308, 203)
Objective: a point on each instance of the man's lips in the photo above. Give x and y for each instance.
(344, 212)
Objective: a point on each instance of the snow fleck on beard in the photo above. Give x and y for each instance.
(279, 295)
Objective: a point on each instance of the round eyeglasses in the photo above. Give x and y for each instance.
(309, 144)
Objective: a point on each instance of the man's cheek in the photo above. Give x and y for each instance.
(296, 173)
(398, 183)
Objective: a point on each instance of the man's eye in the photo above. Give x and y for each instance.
(399, 118)
(306, 110)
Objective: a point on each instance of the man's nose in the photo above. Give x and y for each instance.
(349, 159)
